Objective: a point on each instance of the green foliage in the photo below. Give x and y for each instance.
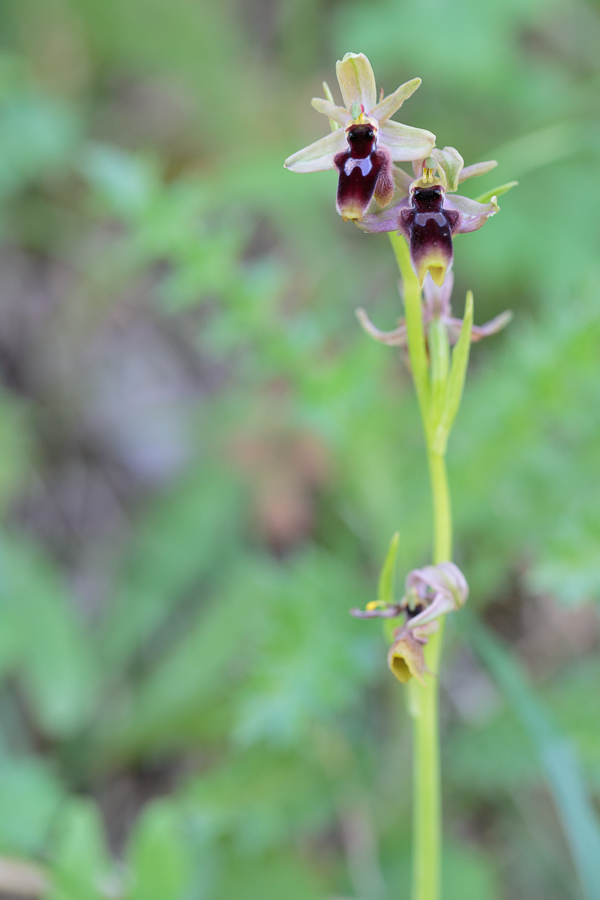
(202, 458)
(32, 793)
(160, 860)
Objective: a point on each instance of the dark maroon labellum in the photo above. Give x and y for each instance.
(360, 167)
(428, 227)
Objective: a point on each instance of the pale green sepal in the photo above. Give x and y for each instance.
(356, 80)
(439, 352)
(405, 142)
(402, 181)
(387, 579)
(329, 96)
(473, 214)
(497, 192)
(318, 156)
(386, 108)
(449, 164)
(477, 169)
(456, 380)
(336, 114)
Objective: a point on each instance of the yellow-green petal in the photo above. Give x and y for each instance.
(356, 80)
(477, 169)
(318, 156)
(449, 164)
(472, 213)
(337, 113)
(386, 108)
(405, 142)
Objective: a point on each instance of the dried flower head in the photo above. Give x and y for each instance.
(429, 593)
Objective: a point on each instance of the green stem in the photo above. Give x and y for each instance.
(442, 514)
(414, 324)
(423, 700)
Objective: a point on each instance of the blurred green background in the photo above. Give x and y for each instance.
(203, 458)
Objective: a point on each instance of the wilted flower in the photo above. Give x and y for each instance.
(367, 141)
(427, 216)
(436, 305)
(434, 591)
(405, 657)
(429, 593)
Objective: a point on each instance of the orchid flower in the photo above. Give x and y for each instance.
(436, 305)
(365, 141)
(427, 216)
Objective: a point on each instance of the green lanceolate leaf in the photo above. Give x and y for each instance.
(386, 587)
(332, 123)
(456, 380)
(496, 192)
(387, 578)
(414, 320)
(439, 350)
(556, 754)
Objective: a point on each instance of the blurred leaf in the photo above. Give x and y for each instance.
(81, 867)
(387, 578)
(58, 664)
(165, 708)
(456, 378)
(126, 182)
(187, 534)
(159, 858)
(259, 799)
(32, 794)
(274, 875)
(311, 657)
(557, 756)
(38, 136)
(468, 875)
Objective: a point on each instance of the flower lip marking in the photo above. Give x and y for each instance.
(361, 140)
(428, 227)
(364, 171)
(426, 200)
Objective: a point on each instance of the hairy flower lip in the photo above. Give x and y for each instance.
(428, 228)
(365, 171)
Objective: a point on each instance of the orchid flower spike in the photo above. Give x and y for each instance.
(436, 305)
(367, 141)
(427, 216)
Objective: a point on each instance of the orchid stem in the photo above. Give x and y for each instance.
(423, 699)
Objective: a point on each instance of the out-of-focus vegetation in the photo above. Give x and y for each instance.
(202, 458)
